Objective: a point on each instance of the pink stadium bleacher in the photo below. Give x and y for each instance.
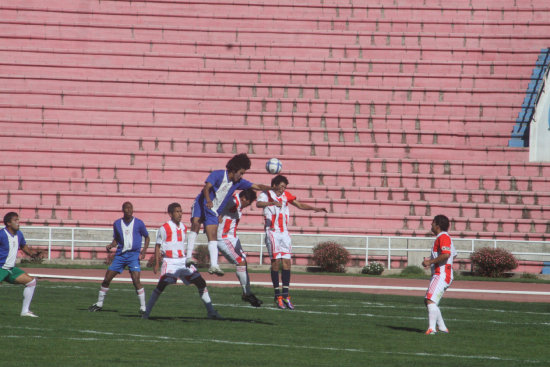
(387, 113)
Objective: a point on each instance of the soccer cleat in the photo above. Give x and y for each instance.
(95, 308)
(145, 316)
(214, 315)
(446, 331)
(430, 332)
(251, 298)
(279, 303)
(189, 262)
(287, 303)
(216, 270)
(142, 311)
(29, 314)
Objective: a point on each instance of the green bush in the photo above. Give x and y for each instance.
(492, 262)
(529, 276)
(37, 258)
(202, 255)
(373, 268)
(330, 256)
(412, 271)
(110, 257)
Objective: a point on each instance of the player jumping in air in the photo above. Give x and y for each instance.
(216, 193)
(230, 245)
(441, 263)
(279, 246)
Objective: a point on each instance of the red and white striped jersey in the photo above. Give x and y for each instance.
(443, 245)
(171, 238)
(230, 218)
(277, 218)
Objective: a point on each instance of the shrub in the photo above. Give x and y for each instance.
(412, 271)
(492, 262)
(110, 257)
(151, 261)
(331, 257)
(37, 258)
(529, 276)
(373, 268)
(202, 255)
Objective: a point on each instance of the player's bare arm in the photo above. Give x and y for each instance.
(31, 252)
(440, 259)
(305, 206)
(206, 193)
(157, 258)
(145, 247)
(111, 245)
(260, 187)
(265, 204)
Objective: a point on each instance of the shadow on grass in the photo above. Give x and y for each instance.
(402, 328)
(101, 311)
(188, 319)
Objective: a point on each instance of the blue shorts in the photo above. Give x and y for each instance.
(205, 215)
(129, 259)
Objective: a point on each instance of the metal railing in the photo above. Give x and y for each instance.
(394, 246)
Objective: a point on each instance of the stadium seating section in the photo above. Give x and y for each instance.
(385, 112)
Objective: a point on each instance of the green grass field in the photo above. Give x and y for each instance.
(326, 329)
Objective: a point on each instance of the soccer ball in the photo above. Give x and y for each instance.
(273, 166)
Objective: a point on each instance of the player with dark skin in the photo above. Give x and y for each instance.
(128, 210)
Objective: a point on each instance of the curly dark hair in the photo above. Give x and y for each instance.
(240, 161)
(248, 194)
(278, 179)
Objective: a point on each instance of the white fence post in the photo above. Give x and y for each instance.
(389, 253)
(49, 243)
(72, 243)
(261, 248)
(367, 251)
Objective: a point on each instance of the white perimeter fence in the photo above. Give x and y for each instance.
(413, 248)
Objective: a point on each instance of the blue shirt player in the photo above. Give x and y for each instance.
(11, 241)
(216, 193)
(127, 235)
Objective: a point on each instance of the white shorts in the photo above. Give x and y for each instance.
(437, 287)
(231, 249)
(279, 245)
(172, 270)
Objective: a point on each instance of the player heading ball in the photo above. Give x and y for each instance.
(217, 191)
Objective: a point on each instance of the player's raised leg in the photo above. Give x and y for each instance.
(212, 234)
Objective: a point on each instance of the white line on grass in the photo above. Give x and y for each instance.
(393, 317)
(311, 285)
(156, 338)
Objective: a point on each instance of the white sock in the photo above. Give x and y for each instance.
(102, 293)
(213, 250)
(440, 323)
(433, 311)
(191, 238)
(205, 297)
(141, 296)
(242, 275)
(152, 300)
(28, 292)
